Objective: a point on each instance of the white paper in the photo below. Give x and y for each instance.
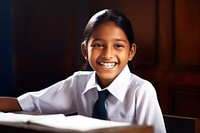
(76, 122)
(24, 118)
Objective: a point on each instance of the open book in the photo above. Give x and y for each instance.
(76, 122)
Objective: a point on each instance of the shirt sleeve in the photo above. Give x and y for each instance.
(58, 98)
(148, 111)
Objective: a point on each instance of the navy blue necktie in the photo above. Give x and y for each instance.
(99, 110)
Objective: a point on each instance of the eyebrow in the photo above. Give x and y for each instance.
(99, 39)
(120, 40)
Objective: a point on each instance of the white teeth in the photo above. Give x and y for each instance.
(108, 65)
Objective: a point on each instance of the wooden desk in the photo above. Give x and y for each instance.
(32, 128)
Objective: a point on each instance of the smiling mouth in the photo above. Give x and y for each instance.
(107, 65)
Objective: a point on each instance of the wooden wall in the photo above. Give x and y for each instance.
(48, 34)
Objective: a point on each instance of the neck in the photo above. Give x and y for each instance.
(104, 83)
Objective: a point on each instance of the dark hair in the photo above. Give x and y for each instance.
(109, 15)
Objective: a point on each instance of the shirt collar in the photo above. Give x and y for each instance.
(117, 88)
(92, 83)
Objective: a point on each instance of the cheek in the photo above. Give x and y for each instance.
(89, 52)
(124, 55)
(124, 58)
(92, 54)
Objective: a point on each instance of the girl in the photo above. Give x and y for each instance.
(108, 46)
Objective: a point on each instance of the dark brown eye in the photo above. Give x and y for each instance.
(97, 45)
(119, 45)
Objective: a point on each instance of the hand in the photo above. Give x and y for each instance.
(8, 104)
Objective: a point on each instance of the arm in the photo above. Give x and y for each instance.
(9, 104)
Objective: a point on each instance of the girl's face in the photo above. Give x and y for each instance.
(108, 51)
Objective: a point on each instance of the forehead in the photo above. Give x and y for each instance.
(109, 30)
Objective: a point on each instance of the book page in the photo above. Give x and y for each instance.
(78, 122)
(24, 118)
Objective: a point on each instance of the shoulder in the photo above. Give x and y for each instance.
(82, 74)
(138, 81)
(79, 76)
(141, 85)
(144, 91)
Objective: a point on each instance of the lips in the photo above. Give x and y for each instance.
(107, 65)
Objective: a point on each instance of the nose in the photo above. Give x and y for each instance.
(108, 53)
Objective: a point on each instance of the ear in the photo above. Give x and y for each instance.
(132, 52)
(84, 50)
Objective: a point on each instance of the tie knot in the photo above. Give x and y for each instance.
(103, 94)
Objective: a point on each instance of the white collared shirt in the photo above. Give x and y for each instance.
(131, 99)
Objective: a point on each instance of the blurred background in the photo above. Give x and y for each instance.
(40, 45)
